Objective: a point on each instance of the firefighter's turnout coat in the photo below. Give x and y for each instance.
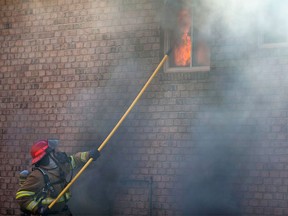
(30, 195)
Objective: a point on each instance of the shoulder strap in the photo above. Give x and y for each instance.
(48, 186)
(45, 176)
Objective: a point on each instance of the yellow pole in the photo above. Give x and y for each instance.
(113, 130)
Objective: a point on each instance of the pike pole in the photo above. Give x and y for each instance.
(114, 129)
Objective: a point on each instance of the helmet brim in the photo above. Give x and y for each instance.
(38, 158)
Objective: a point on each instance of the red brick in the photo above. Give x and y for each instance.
(58, 51)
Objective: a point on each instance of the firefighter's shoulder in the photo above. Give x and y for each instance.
(34, 180)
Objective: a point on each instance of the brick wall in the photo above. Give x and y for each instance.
(69, 69)
(206, 142)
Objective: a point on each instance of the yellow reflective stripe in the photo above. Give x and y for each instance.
(49, 200)
(73, 164)
(84, 156)
(20, 194)
(32, 205)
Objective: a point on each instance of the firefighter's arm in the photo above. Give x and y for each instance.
(80, 158)
(27, 194)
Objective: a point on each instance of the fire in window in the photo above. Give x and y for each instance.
(189, 42)
(182, 40)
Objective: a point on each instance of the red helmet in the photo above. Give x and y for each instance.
(38, 150)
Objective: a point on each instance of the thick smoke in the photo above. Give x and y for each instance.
(244, 84)
(239, 90)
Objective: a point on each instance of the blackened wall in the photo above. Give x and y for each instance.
(203, 143)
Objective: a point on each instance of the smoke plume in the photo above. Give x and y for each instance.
(244, 84)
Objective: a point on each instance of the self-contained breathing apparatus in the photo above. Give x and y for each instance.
(60, 159)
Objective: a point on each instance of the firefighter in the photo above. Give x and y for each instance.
(51, 169)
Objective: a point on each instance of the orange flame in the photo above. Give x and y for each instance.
(182, 49)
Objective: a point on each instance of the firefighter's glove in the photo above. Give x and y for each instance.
(94, 154)
(42, 211)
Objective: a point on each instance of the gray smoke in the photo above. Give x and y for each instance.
(236, 94)
(244, 84)
(127, 68)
